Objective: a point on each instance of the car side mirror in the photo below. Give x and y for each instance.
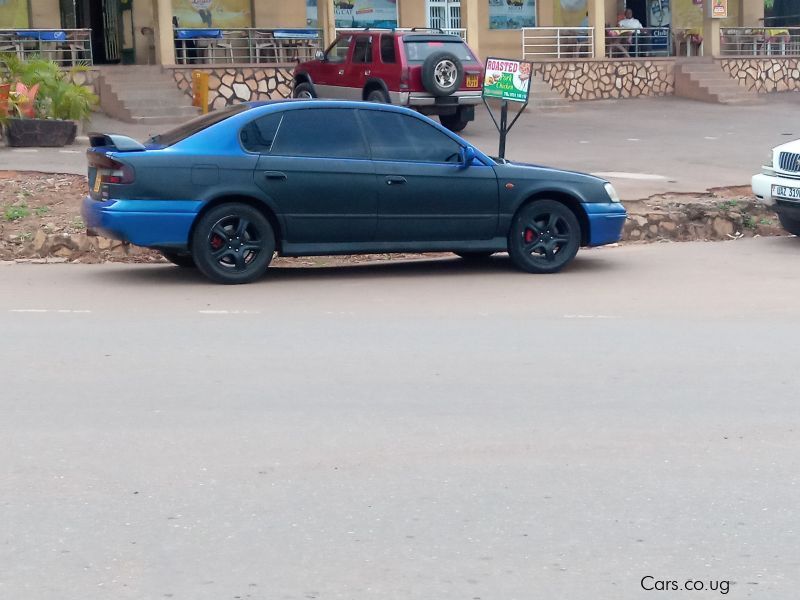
(319, 55)
(467, 156)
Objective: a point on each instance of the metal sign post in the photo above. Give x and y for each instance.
(509, 81)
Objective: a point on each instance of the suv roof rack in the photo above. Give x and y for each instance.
(436, 29)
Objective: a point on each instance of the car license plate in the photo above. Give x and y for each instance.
(98, 183)
(472, 81)
(790, 193)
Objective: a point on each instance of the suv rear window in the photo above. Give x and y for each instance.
(418, 50)
(196, 125)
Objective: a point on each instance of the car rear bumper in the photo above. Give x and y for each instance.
(606, 220)
(150, 223)
(457, 99)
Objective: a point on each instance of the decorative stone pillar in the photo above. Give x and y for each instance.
(164, 34)
(597, 19)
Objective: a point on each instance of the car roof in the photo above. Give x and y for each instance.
(296, 103)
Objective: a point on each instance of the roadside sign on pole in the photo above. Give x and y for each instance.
(507, 79)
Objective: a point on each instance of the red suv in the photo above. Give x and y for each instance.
(430, 71)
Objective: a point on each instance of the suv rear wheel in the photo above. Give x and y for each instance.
(442, 73)
(455, 122)
(378, 96)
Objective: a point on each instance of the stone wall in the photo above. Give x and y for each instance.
(602, 79)
(767, 74)
(231, 85)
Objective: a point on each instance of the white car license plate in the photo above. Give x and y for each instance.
(790, 193)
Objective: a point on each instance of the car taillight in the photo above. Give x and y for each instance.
(110, 170)
(405, 76)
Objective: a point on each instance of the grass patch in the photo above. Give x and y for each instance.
(15, 213)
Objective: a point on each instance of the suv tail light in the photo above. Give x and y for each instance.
(405, 78)
(110, 170)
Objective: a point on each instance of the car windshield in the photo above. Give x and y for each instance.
(418, 50)
(196, 125)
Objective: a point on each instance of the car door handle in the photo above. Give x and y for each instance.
(367, 72)
(274, 175)
(395, 180)
(341, 71)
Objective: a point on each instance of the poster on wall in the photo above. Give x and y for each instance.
(14, 14)
(312, 14)
(571, 13)
(365, 13)
(659, 14)
(214, 14)
(512, 14)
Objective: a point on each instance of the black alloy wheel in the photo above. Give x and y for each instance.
(233, 243)
(181, 259)
(545, 235)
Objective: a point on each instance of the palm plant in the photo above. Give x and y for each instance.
(59, 97)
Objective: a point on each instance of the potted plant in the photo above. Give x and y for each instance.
(44, 105)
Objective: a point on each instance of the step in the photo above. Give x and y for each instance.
(188, 111)
(138, 85)
(158, 120)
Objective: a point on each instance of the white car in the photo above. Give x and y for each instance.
(778, 184)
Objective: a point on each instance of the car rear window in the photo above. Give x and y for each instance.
(418, 50)
(196, 125)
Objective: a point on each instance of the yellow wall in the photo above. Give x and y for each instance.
(411, 13)
(45, 14)
(281, 13)
(14, 14)
(688, 15)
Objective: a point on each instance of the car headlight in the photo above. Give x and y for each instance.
(767, 167)
(612, 193)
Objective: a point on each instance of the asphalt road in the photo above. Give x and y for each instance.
(426, 430)
(644, 146)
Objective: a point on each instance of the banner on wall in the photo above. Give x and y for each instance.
(215, 14)
(660, 14)
(570, 13)
(14, 14)
(512, 14)
(365, 13)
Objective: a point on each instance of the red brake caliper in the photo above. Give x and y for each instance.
(529, 235)
(216, 242)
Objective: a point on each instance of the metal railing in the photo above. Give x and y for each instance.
(250, 45)
(557, 42)
(460, 32)
(637, 43)
(763, 41)
(67, 47)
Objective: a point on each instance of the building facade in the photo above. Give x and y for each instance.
(141, 31)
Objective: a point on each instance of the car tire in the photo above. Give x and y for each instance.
(474, 256)
(789, 224)
(544, 237)
(180, 259)
(454, 123)
(378, 96)
(442, 73)
(233, 243)
(304, 91)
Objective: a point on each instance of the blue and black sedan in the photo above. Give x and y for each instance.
(226, 191)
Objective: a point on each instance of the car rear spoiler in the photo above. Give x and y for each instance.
(113, 141)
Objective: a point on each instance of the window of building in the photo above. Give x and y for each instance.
(321, 133)
(393, 136)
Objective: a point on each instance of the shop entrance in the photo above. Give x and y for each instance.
(104, 18)
(444, 14)
(639, 8)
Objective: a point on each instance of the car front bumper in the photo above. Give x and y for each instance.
(606, 220)
(149, 223)
(762, 190)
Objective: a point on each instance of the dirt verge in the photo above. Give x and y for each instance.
(40, 220)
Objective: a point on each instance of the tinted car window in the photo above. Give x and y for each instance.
(387, 49)
(418, 51)
(337, 53)
(393, 136)
(362, 52)
(196, 125)
(320, 132)
(258, 135)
